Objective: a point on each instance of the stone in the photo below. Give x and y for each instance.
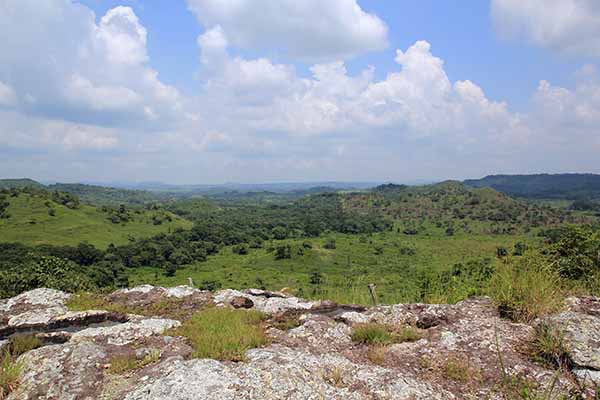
(582, 337)
(241, 302)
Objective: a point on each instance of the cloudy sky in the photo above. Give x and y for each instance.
(210, 91)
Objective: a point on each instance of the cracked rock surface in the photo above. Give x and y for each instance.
(458, 353)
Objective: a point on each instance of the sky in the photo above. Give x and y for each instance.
(213, 91)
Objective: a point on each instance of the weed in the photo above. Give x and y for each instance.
(10, 375)
(222, 333)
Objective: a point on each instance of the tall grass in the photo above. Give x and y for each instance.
(222, 333)
(525, 288)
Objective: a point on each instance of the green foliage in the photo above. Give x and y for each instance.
(576, 252)
(222, 333)
(123, 364)
(44, 271)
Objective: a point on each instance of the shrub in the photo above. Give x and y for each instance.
(222, 333)
(330, 244)
(526, 288)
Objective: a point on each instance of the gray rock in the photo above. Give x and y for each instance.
(128, 332)
(582, 336)
(66, 372)
(269, 305)
(283, 373)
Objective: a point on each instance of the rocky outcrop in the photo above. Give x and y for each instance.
(460, 351)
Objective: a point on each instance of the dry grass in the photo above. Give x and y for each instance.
(376, 354)
(335, 376)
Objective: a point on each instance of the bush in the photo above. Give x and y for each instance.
(330, 244)
(526, 288)
(223, 334)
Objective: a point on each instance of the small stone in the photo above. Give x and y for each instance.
(241, 302)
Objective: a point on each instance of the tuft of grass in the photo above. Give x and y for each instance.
(460, 370)
(380, 334)
(455, 369)
(21, 344)
(376, 354)
(372, 334)
(10, 375)
(526, 289)
(223, 333)
(122, 364)
(408, 334)
(548, 346)
(335, 376)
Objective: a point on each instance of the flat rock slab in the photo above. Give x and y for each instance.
(582, 336)
(283, 373)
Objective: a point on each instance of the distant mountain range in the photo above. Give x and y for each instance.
(543, 186)
(537, 186)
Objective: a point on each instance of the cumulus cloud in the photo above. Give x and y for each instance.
(567, 26)
(309, 29)
(65, 65)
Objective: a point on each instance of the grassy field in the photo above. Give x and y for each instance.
(395, 262)
(31, 224)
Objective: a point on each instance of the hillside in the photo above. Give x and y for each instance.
(543, 186)
(455, 206)
(100, 195)
(19, 183)
(28, 220)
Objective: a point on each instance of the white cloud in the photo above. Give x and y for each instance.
(26, 132)
(568, 26)
(65, 65)
(308, 29)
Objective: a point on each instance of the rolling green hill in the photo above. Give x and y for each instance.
(28, 220)
(543, 186)
(19, 183)
(456, 206)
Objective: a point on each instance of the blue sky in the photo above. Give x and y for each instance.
(193, 91)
